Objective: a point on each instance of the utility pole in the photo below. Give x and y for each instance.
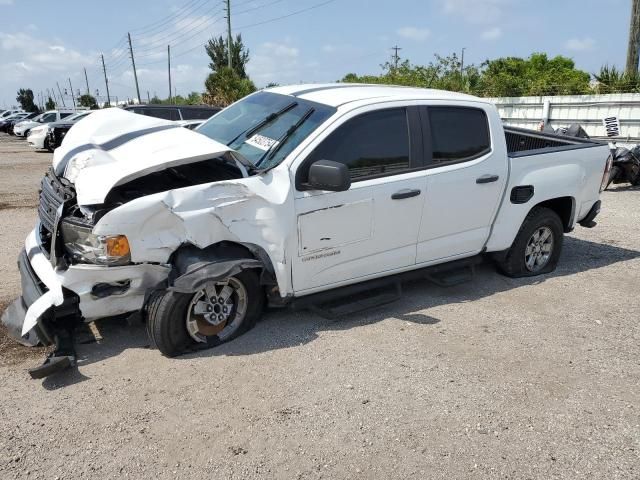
(396, 56)
(86, 79)
(148, 97)
(72, 97)
(169, 66)
(133, 62)
(53, 91)
(60, 92)
(634, 39)
(106, 81)
(462, 68)
(229, 41)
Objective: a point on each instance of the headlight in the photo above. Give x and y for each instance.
(84, 246)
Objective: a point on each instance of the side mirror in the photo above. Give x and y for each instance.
(328, 175)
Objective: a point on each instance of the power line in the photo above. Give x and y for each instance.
(174, 39)
(244, 27)
(179, 13)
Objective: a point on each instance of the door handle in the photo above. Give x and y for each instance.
(406, 193)
(487, 179)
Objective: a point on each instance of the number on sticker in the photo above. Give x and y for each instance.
(612, 125)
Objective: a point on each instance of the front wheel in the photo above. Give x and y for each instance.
(537, 247)
(179, 322)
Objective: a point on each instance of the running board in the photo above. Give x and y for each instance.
(446, 274)
(361, 303)
(452, 278)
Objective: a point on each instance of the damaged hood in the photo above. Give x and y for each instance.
(112, 147)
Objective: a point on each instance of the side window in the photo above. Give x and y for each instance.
(165, 113)
(197, 113)
(458, 133)
(49, 117)
(65, 115)
(375, 143)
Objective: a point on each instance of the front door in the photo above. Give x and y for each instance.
(372, 228)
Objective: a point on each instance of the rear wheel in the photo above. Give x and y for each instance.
(178, 322)
(537, 247)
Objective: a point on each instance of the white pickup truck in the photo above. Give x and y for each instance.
(293, 194)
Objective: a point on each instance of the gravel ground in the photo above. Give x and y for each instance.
(497, 378)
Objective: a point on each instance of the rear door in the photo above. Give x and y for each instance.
(373, 227)
(465, 182)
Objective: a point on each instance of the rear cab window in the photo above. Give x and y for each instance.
(457, 134)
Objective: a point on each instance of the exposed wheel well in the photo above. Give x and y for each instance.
(565, 207)
(189, 254)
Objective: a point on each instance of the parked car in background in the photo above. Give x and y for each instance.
(46, 117)
(37, 137)
(175, 112)
(12, 123)
(9, 112)
(6, 122)
(56, 131)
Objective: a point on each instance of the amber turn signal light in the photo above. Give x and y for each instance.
(118, 246)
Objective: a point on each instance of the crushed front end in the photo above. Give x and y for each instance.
(64, 282)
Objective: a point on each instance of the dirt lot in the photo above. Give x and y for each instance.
(497, 378)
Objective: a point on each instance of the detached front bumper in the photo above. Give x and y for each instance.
(83, 291)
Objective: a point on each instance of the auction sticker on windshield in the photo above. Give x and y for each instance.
(261, 142)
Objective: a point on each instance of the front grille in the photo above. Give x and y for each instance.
(54, 192)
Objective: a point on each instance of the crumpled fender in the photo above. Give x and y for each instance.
(200, 274)
(250, 211)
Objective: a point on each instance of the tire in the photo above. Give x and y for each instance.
(168, 313)
(517, 263)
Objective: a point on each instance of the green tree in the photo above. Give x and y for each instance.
(441, 73)
(536, 75)
(25, 99)
(217, 50)
(612, 80)
(155, 100)
(50, 105)
(87, 100)
(194, 98)
(511, 76)
(226, 86)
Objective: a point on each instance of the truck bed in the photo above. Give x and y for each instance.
(522, 142)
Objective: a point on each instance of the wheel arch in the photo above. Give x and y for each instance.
(231, 257)
(564, 207)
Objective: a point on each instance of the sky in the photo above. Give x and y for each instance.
(44, 44)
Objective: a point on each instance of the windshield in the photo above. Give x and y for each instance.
(255, 125)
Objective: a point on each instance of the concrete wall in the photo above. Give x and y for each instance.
(587, 110)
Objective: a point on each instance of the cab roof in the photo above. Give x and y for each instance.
(337, 94)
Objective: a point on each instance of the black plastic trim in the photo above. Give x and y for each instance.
(522, 194)
(406, 193)
(588, 221)
(565, 148)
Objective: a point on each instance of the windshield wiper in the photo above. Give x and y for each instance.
(271, 152)
(268, 119)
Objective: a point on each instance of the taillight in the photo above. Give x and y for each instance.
(607, 172)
